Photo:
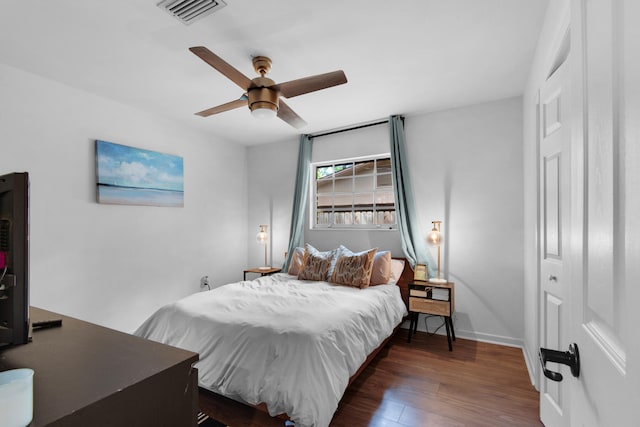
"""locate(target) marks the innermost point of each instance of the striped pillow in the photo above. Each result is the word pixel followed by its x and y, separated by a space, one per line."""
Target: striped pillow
pixel 354 269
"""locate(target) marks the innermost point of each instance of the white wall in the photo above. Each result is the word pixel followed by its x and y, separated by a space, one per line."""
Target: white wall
pixel 114 265
pixel 271 182
pixel 466 167
pixel 549 41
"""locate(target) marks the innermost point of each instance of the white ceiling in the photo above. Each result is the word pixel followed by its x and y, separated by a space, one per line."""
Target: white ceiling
pixel 402 57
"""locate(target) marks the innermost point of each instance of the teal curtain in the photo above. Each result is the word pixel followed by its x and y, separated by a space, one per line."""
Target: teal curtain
pixel 413 242
pixel 296 234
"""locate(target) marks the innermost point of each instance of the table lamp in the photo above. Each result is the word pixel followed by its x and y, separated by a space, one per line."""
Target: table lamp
pixel 262 237
pixel 435 239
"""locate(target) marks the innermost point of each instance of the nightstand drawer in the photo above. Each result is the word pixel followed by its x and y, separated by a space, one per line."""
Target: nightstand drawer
pixel 421 305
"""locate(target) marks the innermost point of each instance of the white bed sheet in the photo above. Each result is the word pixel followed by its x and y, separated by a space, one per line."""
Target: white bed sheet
pixel 289 343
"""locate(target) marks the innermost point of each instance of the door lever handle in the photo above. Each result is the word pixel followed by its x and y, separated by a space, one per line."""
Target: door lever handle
pixel 570 358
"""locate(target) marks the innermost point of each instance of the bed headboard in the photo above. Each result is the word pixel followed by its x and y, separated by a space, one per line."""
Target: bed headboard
pixel 403 282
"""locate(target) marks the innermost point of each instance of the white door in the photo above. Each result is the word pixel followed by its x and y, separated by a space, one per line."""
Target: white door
pixel 605 220
pixel 554 203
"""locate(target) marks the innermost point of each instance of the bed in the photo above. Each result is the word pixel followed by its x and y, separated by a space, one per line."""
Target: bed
pixel 279 341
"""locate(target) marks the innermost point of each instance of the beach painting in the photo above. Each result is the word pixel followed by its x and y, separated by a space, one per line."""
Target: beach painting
pixel 133 176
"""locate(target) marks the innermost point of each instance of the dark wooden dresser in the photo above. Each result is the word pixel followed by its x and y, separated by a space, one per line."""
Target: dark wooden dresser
pixel 88 375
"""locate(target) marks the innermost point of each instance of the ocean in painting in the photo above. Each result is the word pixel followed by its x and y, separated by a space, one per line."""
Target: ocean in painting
pixel 139 196
pixel 133 176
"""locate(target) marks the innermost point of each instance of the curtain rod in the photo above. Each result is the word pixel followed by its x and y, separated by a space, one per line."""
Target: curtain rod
pixel 366 125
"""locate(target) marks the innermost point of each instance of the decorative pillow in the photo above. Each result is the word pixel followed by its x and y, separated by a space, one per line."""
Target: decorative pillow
pixel 354 269
pixel 336 254
pixel 381 271
pixel 296 261
pixel 315 264
pixel 397 267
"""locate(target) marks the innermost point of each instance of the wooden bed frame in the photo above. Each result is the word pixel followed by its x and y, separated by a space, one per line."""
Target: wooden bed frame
pixel 403 283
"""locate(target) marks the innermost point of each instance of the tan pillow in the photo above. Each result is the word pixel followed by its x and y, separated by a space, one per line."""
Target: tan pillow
pixel 296 261
pixel 381 271
pixel 397 267
pixel 315 264
pixel 354 269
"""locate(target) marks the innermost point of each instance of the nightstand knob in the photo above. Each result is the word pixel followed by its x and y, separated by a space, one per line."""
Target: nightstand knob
pixel 553 278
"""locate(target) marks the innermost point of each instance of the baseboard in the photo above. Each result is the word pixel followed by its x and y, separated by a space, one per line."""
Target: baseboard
pixel 475 336
pixel 531 366
pixel 490 338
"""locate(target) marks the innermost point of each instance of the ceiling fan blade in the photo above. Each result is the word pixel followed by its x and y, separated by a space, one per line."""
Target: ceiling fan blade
pixel 288 115
pixel 242 102
pixel 222 66
pixel 311 84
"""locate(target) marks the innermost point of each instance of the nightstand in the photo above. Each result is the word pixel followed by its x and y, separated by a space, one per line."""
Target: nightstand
pixel 261 271
pixel 432 298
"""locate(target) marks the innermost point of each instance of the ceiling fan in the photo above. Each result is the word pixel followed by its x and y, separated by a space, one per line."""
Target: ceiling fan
pixel 262 95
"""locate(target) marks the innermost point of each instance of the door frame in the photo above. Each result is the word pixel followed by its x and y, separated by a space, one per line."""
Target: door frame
pixel 558 56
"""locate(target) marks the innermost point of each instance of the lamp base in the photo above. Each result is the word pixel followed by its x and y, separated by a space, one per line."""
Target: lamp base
pixel 266 267
pixel 437 280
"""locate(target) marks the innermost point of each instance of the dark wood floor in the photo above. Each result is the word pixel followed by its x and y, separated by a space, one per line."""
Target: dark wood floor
pixel 421 384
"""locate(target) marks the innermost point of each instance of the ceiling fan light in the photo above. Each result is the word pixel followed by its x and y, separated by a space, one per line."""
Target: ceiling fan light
pixel 263 110
pixel 263 102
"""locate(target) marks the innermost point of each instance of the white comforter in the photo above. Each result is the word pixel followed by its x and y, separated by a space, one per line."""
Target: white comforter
pixel 289 343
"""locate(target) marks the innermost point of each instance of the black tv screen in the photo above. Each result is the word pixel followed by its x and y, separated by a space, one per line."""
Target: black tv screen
pixel 14 259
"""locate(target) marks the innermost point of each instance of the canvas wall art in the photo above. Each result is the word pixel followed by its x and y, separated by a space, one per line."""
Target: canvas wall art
pixel 133 176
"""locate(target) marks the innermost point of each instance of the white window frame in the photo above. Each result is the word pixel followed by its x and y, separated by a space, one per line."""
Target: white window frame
pixel 313 205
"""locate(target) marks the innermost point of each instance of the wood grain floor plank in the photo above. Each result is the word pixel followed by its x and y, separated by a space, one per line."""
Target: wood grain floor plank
pixel 421 384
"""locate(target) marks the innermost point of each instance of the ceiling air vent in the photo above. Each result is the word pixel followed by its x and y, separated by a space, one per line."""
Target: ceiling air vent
pixel 189 11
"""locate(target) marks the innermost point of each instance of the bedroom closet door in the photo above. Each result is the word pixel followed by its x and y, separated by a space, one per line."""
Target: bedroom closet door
pixel 554 208
pixel 606 213
pixel 590 261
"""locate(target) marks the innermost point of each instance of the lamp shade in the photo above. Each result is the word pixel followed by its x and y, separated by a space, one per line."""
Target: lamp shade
pixel 435 238
pixel 262 236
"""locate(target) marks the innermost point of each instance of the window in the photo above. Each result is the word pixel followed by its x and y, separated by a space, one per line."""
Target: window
pixel 355 193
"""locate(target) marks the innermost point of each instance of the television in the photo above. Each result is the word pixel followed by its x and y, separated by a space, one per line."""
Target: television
pixel 14 259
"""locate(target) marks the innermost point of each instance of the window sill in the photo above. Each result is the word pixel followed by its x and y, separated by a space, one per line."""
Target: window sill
pixel 354 228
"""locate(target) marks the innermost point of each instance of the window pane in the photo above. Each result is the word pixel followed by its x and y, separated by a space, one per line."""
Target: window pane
pixel 323 171
pixel 383 165
pixel 365 168
pixel 365 217
pixel 345 169
pixel 344 218
pixel 341 200
pixel 324 200
pixel 354 194
pixel 363 200
pixel 343 185
pixel 385 217
pixel 384 198
pixel 324 186
pixel 323 217
pixel 384 180
pixel 364 183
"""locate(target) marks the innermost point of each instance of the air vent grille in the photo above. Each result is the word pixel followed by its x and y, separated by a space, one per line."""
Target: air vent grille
pixel 190 11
